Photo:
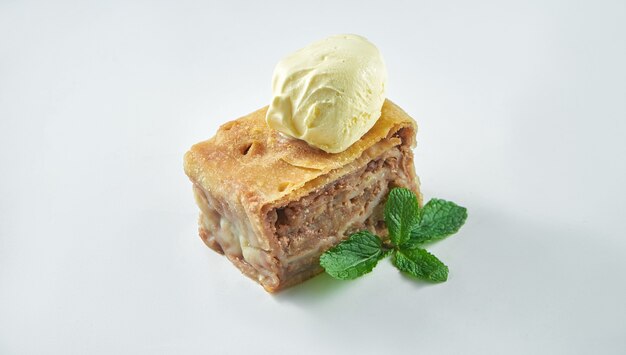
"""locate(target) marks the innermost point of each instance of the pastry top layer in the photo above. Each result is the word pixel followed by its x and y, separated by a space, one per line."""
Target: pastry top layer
pixel 248 160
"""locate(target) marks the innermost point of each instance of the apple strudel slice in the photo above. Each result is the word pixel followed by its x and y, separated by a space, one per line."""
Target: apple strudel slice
pixel 272 204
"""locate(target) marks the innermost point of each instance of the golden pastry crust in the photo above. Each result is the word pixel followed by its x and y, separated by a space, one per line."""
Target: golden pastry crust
pixel 248 158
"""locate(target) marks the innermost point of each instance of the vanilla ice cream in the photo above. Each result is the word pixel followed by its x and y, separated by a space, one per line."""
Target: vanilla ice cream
pixel 329 93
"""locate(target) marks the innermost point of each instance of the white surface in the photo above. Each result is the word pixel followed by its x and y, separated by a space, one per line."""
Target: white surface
pixel 521 106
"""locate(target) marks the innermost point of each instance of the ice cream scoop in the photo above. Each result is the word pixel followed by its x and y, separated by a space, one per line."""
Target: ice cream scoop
pixel 329 93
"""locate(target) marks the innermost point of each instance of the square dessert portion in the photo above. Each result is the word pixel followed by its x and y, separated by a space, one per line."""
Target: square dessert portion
pixel 274 204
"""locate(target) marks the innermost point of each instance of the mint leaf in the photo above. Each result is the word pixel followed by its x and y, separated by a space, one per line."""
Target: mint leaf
pixel 353 257
pixel 401 214
pixel 420 263
pixel 437 220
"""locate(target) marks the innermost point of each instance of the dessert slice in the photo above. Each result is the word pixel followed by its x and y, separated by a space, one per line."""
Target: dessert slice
pixel 274 204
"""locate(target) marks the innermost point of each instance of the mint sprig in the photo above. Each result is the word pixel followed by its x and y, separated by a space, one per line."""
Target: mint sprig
pixel 409 228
